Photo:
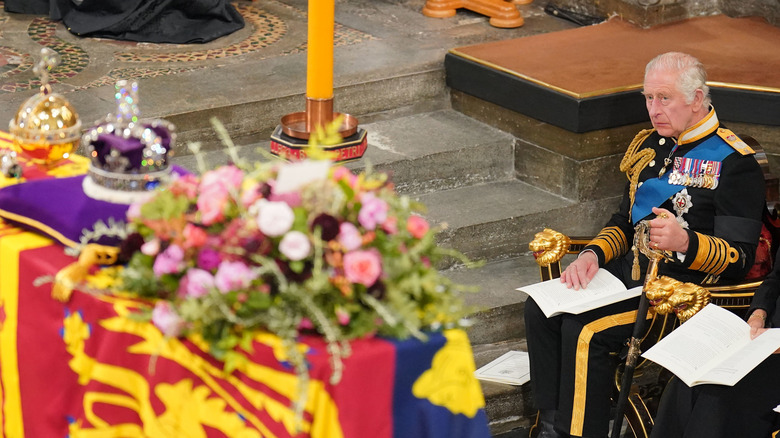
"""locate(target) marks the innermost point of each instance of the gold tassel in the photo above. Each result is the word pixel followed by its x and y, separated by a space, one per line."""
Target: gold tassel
pixel 70 276
pixel 635 266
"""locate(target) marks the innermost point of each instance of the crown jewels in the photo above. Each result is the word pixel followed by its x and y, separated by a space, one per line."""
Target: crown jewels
pixel 129 157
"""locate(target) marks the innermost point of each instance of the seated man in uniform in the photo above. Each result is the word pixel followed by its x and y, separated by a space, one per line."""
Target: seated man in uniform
pixel 745 410
pixel 702 191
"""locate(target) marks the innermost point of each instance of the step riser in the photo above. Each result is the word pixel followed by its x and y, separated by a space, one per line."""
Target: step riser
pixel 509 238
pixel 255 121
pixel 450 170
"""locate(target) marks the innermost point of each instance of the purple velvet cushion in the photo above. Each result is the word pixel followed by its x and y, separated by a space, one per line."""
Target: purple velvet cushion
pixel 56 207
pixel 59 208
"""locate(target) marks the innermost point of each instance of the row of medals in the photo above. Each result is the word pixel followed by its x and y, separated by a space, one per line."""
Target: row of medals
pixel 701 180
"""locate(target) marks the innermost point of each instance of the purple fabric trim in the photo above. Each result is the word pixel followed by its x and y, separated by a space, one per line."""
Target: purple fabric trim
pixel 61 205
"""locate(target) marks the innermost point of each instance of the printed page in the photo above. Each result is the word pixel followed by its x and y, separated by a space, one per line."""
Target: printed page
pixel 512 368
pixel 714 340
pixel 554 298
pixel 733 369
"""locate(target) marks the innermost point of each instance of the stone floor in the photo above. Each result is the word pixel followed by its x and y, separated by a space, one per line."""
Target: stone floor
pixel 264 62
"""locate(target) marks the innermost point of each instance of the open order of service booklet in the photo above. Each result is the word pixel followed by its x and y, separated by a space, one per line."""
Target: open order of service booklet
pixel 714 347
pixel 554 298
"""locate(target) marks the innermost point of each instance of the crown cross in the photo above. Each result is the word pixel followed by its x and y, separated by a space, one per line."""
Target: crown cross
pixel 126 94
pixel 49 60
pixel 115 162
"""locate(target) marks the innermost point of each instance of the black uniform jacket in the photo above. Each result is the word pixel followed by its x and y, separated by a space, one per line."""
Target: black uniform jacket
pixel 721 211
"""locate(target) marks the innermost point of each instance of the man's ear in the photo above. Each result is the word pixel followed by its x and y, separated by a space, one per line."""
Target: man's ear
pixel 698 100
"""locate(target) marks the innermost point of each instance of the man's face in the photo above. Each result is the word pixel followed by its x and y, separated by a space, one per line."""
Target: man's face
pixel 666 105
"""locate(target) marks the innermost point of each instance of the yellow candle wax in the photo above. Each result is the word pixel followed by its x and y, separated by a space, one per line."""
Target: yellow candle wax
pixel 319 60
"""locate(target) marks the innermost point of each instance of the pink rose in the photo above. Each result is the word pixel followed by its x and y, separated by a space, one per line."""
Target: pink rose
pixel 349 236
pixel 134 211
pixel 417 226
pixel 373 211
pixel 215 190
pixel 194 236
pixel 196 283
pixel 295 245
pixel 233 276
pixel 211 205
pixel 391 225
pixel 342 172
pixel 363 267
pixel 226 178
pixel 342 316
pixel 170 261
pixel 186 185
pixel 250 193
pixel 274 218
pixel 166 319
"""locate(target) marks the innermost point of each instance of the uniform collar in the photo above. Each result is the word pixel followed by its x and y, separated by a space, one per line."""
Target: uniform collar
pixel 703 128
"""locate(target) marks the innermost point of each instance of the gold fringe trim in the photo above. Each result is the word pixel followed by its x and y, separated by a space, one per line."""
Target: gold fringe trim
pixel 634 161
pixel 70 276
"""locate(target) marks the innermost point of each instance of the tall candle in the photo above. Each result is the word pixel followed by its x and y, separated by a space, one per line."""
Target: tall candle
pixel 319 60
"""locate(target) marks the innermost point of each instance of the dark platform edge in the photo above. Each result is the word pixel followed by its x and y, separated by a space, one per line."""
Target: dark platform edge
pixel 593 113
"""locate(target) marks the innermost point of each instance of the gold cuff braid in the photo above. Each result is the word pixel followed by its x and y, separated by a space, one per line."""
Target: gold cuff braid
pixel 612 242
pixel 714 255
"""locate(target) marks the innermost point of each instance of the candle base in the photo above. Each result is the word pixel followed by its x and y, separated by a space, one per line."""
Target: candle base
pixel 291 148
pixel 319 112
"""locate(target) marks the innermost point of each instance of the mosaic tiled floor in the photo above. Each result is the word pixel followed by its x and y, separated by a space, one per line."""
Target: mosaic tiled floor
pixel 267 29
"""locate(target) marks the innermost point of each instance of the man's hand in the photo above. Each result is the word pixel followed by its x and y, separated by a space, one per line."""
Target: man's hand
pixel 757 321
pixel 581 271
pixel 666 233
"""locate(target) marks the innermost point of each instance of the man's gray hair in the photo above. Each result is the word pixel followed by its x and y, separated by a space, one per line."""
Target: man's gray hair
pixel 692 75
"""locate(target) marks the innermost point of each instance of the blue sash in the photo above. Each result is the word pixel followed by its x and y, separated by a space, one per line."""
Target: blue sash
pixel 654 191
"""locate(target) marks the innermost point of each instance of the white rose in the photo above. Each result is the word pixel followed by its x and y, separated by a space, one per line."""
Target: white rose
pixel 295 245
pixel 274 218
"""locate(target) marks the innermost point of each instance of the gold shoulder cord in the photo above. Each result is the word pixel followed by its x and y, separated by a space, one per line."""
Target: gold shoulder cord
pixel 634 161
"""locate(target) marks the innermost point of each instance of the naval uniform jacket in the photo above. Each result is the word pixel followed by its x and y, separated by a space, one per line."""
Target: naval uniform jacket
pixel 723 223
pixel 572 356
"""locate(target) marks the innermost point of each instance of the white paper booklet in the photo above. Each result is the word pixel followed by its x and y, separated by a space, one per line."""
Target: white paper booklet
pixel 512 368
pixel 554 298
pixel 714 346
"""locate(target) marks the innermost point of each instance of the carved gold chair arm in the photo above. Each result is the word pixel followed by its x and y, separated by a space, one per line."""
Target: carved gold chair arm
pixel 549 247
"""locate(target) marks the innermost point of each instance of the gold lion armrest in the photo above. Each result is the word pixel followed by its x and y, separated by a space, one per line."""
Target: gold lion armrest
pixel 549 247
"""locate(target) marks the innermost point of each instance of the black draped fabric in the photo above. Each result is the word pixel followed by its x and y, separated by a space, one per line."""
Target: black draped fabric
pixel 38 7
pixel 155 21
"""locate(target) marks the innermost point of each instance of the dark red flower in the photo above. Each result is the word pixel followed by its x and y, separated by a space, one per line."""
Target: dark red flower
pixel 328 225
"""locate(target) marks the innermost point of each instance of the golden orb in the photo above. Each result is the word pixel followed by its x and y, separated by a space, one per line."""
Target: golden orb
pixel 46 129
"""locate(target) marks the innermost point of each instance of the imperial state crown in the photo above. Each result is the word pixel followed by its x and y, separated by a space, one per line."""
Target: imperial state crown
pixel 129 157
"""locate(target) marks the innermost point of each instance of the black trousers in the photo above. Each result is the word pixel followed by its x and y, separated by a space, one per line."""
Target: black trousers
pixel 573 360
pixel 744 410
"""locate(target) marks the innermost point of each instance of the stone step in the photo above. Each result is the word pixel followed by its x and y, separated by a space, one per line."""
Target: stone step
pixel 496 220
pixel 422 152
pixel 498 328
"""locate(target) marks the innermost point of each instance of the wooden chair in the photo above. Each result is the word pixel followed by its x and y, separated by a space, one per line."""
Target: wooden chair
pixel 650 379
